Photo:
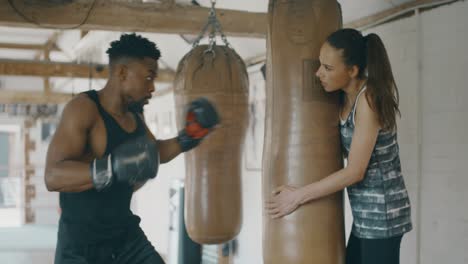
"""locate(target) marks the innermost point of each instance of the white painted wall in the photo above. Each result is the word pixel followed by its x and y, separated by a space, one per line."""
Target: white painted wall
pixel 444 225
pixel 400 39
pixel 434 111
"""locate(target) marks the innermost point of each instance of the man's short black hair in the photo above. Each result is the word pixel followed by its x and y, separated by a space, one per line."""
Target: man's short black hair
pixel 132 46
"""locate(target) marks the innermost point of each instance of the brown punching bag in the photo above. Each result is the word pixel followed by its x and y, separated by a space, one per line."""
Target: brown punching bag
pixel 302 142
pixel 213 211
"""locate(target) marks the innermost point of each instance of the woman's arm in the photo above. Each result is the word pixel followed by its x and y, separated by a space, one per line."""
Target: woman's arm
pixel 286 200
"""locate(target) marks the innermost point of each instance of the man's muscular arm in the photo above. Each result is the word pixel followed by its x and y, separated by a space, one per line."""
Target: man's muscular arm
pixel 168 149
pixel 201 119
pixel 63 172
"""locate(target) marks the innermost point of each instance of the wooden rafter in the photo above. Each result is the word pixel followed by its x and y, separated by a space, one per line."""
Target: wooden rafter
pixel 60 69
pixel 39 97
pixel 53 69
pixel 24 46
pixel 51 42
pixel 83 33
pixel 379 16
pixel 48 46
pixel 132 16
pixel 31 97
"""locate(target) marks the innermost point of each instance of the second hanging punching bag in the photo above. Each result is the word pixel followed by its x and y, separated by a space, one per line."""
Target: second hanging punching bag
pixel 213 205
pixel 302 143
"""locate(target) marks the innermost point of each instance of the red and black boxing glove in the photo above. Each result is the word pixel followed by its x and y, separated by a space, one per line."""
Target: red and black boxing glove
pixel 201 118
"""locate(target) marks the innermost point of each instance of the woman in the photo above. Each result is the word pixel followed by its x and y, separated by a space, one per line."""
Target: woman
pixel 359 68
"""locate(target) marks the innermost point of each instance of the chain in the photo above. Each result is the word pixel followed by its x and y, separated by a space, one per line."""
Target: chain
pixel 200 36
pixel 215 27
pixel 223 36
pixel 212 22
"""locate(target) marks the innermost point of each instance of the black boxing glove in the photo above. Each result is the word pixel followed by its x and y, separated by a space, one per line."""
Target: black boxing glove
pixel 201 118
pixel 135 160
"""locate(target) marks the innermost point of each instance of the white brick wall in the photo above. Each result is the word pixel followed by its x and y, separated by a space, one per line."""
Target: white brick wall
pixel 442 129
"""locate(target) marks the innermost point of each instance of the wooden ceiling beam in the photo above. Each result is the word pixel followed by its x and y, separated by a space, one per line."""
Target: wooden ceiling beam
pixel 25 46
pixel 39 97
pixel 32 97
pixel 52 69
pixel 132 16
pixel 51 42
pixel 47 48
pixel 374 19
pixel 60 69
pixel 83 33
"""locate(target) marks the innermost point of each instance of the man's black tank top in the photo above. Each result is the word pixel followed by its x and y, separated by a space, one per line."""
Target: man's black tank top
pixel 92 216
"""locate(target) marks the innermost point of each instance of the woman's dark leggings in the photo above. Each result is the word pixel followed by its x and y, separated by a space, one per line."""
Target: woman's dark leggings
pixel 373 251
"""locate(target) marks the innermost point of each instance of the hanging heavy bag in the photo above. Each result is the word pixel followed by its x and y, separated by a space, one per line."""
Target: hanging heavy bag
pixel 213 205
pixel 302 143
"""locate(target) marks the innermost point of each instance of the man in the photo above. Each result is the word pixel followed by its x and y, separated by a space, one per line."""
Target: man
pixel 102 152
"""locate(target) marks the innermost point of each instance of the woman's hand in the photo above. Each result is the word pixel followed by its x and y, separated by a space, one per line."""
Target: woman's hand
pixel 286 199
